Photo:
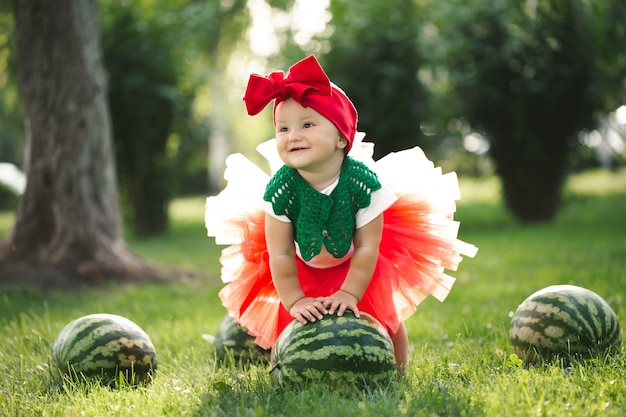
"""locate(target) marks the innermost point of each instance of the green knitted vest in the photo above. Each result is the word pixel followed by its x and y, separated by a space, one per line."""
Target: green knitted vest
pixel 321 219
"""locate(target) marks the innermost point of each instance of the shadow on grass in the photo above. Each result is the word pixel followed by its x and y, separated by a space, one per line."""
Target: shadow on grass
pixel 249 390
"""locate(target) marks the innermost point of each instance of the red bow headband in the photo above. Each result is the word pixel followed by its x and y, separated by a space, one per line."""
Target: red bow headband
pixel 308 84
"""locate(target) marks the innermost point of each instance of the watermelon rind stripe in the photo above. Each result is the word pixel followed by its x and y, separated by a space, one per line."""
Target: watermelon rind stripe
pixel 569 311
pixel 565 319
pixel 103 344
pixel 233 343
pixel 585 321
pixel 337 350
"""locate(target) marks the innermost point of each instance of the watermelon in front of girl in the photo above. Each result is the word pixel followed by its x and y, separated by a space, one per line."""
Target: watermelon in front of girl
pixel 342 351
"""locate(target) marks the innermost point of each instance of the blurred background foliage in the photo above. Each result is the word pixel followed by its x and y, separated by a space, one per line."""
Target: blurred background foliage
pixel 522 89
pixel 530 75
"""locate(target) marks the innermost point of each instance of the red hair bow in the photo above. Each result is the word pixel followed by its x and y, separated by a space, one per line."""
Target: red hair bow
pixel 306 76
pixel 308 84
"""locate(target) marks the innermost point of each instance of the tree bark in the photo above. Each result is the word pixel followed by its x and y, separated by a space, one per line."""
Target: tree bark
pixel 68 224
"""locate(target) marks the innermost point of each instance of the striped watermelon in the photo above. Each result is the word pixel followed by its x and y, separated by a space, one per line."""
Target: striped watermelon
pixel 341 351
pixel 104 346
pixel 233 341
pixel 564 320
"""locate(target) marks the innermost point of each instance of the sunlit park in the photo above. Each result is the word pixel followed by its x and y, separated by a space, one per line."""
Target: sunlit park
pixel 116 121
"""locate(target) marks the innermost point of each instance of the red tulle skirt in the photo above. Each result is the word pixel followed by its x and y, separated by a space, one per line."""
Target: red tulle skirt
pixel 419 242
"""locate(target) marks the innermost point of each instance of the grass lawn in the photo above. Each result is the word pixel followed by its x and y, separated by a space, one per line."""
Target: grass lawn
pixel 461 363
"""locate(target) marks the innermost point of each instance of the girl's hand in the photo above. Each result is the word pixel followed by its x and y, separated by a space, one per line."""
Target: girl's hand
pixel 340 302
pixel 308 310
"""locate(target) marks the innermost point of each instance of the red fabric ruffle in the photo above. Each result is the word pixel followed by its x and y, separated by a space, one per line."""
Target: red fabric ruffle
pixel 417 245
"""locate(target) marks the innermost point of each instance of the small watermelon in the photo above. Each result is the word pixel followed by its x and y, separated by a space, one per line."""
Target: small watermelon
pixel 564 320
pixel 233 341
pixel 104 346
pixel 341 351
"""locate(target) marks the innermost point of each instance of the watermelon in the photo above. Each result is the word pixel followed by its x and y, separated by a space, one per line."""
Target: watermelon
pixel 104 346
pixel 564 320
pixel 341 351
pixel 232 341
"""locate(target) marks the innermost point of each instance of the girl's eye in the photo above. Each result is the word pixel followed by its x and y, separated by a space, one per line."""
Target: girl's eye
pixel 282 129
pixel 308 124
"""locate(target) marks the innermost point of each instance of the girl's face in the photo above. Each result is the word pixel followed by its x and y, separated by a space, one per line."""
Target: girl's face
pixel 306 140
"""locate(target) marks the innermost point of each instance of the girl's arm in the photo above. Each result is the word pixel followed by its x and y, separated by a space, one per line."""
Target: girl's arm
pixel 362 265
pixel 282 252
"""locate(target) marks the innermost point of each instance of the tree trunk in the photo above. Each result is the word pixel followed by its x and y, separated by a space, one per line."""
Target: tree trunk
pixel 67 229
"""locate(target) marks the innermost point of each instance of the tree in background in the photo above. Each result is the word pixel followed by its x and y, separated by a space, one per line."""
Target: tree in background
pixel 530 75
pixel 506 68
pixel 374 57
pixel 67 227
pixel 143 78
pixel 154 52
pixel 160 55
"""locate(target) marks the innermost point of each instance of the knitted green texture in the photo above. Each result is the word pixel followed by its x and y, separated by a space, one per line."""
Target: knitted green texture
pixel 321 219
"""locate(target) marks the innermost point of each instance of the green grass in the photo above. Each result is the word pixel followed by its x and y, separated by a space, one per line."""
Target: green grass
pixel 461 362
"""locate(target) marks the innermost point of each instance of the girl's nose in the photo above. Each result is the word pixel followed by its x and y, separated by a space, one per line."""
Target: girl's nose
pixel 295 134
